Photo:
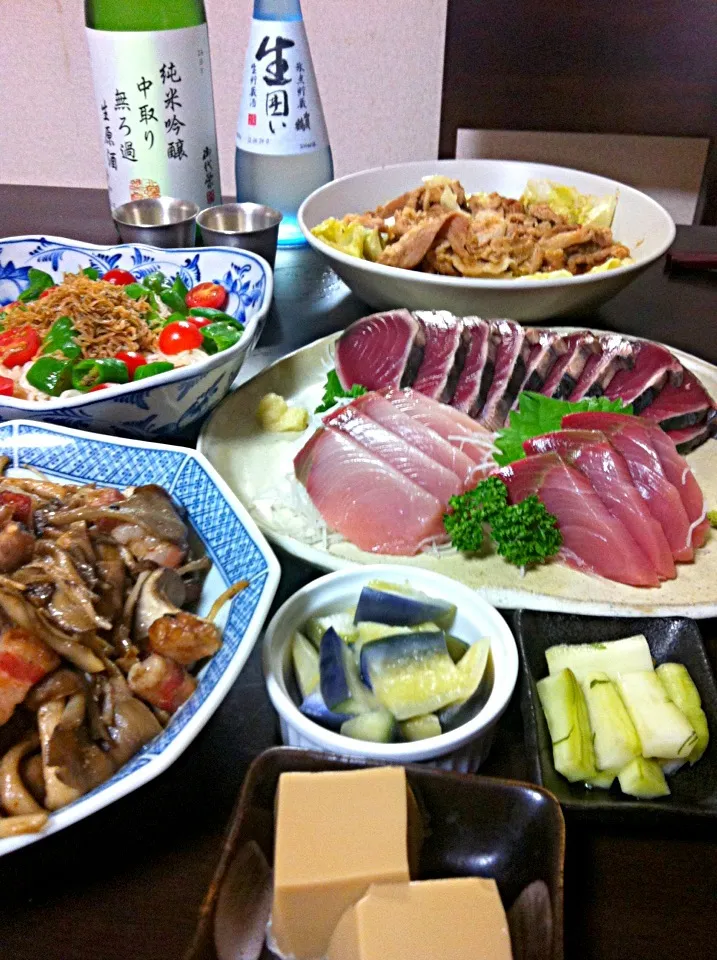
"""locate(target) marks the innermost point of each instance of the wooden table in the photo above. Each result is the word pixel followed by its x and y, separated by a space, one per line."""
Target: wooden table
pixel 128 881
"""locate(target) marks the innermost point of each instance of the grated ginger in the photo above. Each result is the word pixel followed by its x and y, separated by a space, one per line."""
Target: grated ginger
pixel 276 416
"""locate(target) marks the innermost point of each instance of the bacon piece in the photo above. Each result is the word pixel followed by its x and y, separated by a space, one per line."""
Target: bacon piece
pixel 24 659
pixel 161 682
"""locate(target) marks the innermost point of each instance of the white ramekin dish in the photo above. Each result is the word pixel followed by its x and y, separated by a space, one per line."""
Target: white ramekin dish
pixel 462 749
pixel 640 223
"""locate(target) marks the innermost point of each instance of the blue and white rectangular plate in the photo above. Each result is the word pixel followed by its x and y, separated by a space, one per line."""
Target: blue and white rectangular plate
pixel 232 540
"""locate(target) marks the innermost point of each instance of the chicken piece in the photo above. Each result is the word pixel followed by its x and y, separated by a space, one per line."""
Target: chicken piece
pixel 17 545
pixel 161 682
pixel 415 243
pixel 184 637
pixel 24 659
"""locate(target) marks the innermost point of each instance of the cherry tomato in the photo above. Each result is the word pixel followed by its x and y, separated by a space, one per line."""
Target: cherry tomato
pixel 207 295
pixel 199 322
pixel 46 293
pixel 7 387
pixel 120 278
pixel 18 345
pixel 132 359
pixel 179 336
pixel 10 306
pixel 99 386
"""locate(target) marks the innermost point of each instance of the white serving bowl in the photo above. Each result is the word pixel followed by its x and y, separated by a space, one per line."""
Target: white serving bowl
pixel 462 749
pixel 640 223
pixel 168 404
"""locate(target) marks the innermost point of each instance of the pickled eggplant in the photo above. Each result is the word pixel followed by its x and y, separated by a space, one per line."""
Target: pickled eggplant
pixel 567 716
pixel 343 624
pixel 315 709
pixel 643 778
pixel 615 739
pixel 421 728
pixel 456 648
pixel 475 670
pixel 305 659
pixel 613 658
pixel 680 688
pixel 400 606
pixel 341 686
pixel 664 731
pixel 378 726
pixel 411 673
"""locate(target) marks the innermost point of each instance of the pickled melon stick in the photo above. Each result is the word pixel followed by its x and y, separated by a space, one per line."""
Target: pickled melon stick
pixel 615 739
pixel 680 688
pixel 664 731
pixel 567 716
pixel 644 779
pixel 613 657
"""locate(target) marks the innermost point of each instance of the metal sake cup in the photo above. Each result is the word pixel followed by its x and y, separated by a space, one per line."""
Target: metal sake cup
pixel 163 222
pixel 248 226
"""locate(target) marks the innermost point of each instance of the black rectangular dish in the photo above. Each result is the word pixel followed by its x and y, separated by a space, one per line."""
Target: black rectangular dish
pixel 671 639
pixel 475 826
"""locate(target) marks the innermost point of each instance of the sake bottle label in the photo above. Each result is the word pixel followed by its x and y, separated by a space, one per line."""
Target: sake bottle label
pixel 154 96
pixel 280 110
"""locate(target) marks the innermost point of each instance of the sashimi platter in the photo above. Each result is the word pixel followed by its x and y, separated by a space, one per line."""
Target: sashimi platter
pixel 548 468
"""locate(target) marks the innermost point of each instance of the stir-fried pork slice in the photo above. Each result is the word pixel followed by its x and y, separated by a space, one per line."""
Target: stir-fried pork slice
pixel 408 251
pixel 161 682
pixel 24 659
pixel 184 637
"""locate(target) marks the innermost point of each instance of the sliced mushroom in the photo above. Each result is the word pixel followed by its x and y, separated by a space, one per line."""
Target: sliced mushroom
pixel 162 593
pixel 16 798
pixel 76 761
pixel 58 685
pixel 57 794
pixel 134 725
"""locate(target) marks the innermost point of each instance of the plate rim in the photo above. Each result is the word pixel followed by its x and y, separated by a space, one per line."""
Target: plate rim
pixel 158 763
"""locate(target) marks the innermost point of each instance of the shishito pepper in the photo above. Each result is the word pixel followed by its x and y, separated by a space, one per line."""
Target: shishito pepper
pixel 50 375
pixel 220 336
pixel 210 313
pixel 152 369
pixel 174 301
pixel 61 337
pixel 88 373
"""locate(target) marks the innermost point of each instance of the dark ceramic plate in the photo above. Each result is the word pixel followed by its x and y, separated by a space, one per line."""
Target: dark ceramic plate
pixel 476 826
pixel 673 639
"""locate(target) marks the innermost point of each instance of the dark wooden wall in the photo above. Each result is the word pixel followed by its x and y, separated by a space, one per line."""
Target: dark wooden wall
pixel 604 66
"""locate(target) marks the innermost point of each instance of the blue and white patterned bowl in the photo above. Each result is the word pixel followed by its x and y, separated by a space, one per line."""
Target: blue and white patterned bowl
pixel 232 540
pixel 171 402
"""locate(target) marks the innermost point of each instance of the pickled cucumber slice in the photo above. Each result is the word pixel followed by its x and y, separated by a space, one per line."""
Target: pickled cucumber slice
pixel 305 659
pixel 615 739
pixel 644 779
pixel 421 728
pixel 664 731
pixel 613 658
pixel 680 688
pixel 603 781
pixel 567 716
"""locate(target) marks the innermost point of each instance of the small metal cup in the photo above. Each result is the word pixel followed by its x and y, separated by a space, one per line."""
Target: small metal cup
pixel 165 222
pixel 248 226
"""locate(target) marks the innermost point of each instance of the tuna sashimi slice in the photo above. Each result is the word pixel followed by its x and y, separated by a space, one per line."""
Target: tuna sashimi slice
pixel 379 351
pixel 681 477
pixel 594 456
pixel 477 373
pixel 680 406
pixel 364 499
pixel 396 452
pixel 654 366
pixel 616 353
pixel 511 357
pixel 632 439
pixel 593 539
pixel 419 436
pixel 443 354
pixel 567 369
pixel 546 347
pixel 455 427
